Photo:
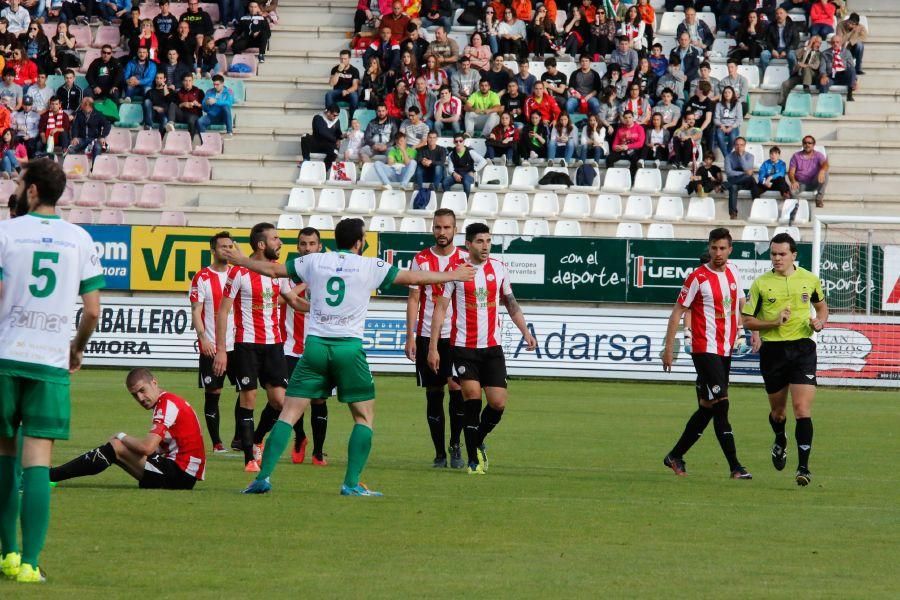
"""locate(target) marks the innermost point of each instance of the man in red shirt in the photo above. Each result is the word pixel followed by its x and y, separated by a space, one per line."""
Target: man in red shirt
pixel 627 143
pixel 396 21
pixel 543 103
pixel 170 456
pixel 188 106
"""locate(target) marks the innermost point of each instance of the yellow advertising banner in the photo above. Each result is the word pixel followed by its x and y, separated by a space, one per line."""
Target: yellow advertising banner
pixel 165 259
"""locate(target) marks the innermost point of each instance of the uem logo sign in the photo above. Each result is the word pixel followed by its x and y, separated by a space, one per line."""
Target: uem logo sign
pixel 661 272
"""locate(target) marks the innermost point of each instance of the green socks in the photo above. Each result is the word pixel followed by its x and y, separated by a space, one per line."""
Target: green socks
pixel 276 442
pixel 9 505
pixel 357 453
pixel 35 512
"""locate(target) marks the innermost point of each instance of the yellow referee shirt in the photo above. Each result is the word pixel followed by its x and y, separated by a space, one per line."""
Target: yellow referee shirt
pixel 771 293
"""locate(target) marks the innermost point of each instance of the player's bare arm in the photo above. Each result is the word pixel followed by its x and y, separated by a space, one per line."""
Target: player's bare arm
pixel 89 317
pixel 207 347
pixel 144 446
pixel 263 267
pixel 818 322
pixel 294 298
pixel 221 360
pixel 412 310
pixel 460 273
pixel 668 357
pixel 518 318
pixel 437 320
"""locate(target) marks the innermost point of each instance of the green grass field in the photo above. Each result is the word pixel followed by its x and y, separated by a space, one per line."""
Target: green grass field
pixel 576 504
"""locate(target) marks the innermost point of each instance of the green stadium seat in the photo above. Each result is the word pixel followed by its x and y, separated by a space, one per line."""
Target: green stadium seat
pixel 130 115
pixel 344 119
pixel 764 110
pixel 578 118
pixel 203 84
pixel 237 88
pixel 55 81
pixel 798 105
pixel 364 116
pixel 829 106
pixel 759 130
pixel 81 81
pixel 789 131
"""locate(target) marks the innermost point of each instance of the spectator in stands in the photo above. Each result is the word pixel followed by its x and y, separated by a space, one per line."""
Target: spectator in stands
pixel 656 142
pixel 25 122
pixel 465 79
pixel 164 24
pixel 625 57
pixel 130 29
pixel 555 82
pixel 562 139
pixel 434 76
pixel 207 58
pixel 738 83
pixel 217 105
pixel 633 29
pixel 731 15
pixel 750 38
pixel 645 77
pixel 408 70
pixel 89 131
pixel 366 13
pixel 613 79
pixel 689 56
pixel 821 18
pixel 543 104
pixel 503 140
pixel 7 38
pixel 325 137
pixel 36 46
pixel 577 31
pixel 344 82
pixel 374 84
pixel 184 42
pixel 782 38
pixel 837 67
pixel 113 9
pixel 674 80
pixel 608 114
pixel 104 75
pixel 146 39
pixel 772 176
pixel 386 51
pixel 431 159
pixel 231 11
pixel 534 137
pixel 706 75
pixel 658 62
pixel 628 143
pixel 488 26
pixel 139 75
pixel 156 103
pixel 415 130
pixel 637 105
pixel 54 124
pixel 739 165
pixel 401 164
pixel 727 119
pixel 378 135
pixel 62 49
pixel 396 100
pixel 685 141
pixel 173 69
pixel 199 22
pixel 806 71
pixel 415 44
pixel 707 179
pixel 13 154
pixel 512 35
pixel 513 102
pixel 447 113
pixel 854 35
pixel 438 13
pixel 584 86
pixel 523 79
pixel 700 34
pixel 464 164
pixel 187 106
pixel 542 32
pixel 17 17
pixel 808 171
pixel 668 111
pixel 703 107
pixel 396 21
pixel 444 49
pixel 593 144
pixel 54 11
pixel 424 99
pixel 498 76
pixel 522 9
pixel 11 92
pixel 40 94
pixel 602 38
pixel 483 110
pixel 252 31
pixel 26 70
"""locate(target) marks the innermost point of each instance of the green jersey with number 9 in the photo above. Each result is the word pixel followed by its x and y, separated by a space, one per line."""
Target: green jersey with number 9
pixel 45 263
pixel 340 285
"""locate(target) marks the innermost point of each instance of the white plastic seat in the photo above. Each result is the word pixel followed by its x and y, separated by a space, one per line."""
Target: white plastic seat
pixel 172 218
pixel 661 231
pixel 677 181
pixel 576 206
pixel 382 223
pixel 494 173
pixel 153 195
pixel 545 205
pixel 361 202
pixel 455 201
pixel 751 72
pixel 794 232
pixel 392 202
pixel 755 233
pixel 331 201
pixel 413 225
pixel 536 227
pixel 505 227
pixel 368 177
pixel 590 189
pixel 349 173
pixel 554 186
pixel 668 42
pixel 775 75
pixel 289 221
pixel 81 216
pixel 478 145
pixel 759 154
pixel 515 205
pixel 802 215
pixel 608 207
pixel 524 179
pixel 764 210
pixel 122 195
pixel 617 180
pixel 177 143
pixel 470 221
pixel 669 208
pixel 484 204
pixel 321 222
pixel 567 227
pixel 312 172
pixel 111 216
pixel 638 208
pixel 629 230
pixel 721 47
pixel 301 200
pixel 647 181
pixel 701 210
pixel 718 71
pixel 669 22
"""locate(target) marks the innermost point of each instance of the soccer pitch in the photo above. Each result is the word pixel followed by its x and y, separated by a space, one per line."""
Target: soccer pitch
pixel 577 503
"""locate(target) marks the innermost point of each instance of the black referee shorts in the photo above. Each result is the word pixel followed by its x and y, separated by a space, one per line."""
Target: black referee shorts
pixel 484 365
pixel 786 363
pixel 424 375
pixel 712 375
pixel 161 473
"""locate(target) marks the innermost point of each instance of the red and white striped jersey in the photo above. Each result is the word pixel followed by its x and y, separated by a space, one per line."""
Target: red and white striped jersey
pixel 292 324
pixel 255 306
pixel 427 260
pixel 176 423
pixel 476 320
pixel 206 288
pixel 713 298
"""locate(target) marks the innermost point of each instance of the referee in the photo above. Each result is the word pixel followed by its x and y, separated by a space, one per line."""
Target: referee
pixel 779 308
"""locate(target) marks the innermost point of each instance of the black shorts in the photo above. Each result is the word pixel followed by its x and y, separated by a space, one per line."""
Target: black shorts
pixel 206 379
pixel 255 364
pixel 712 375
pixel 161 473
pixel 484 365
pixel 424 375
pixel 290 362
pixel 785 363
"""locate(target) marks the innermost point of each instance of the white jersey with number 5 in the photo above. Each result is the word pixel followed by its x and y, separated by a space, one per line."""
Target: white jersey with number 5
pixel 45 264
pixel 340 286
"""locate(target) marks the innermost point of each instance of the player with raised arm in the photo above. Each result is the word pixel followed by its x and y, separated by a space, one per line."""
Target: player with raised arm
pixel 780 307
pixel 45 264
pixel 340 286
pixel 170 456
pixel 475 340
pixel 712 295
pixel 443 256
pixel 206 293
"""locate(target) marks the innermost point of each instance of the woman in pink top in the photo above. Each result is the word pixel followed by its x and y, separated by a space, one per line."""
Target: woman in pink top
pixel 478 52
pixel 821 19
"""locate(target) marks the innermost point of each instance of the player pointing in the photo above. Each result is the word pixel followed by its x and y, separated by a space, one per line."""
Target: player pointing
pixel 340 286
pixel 779 308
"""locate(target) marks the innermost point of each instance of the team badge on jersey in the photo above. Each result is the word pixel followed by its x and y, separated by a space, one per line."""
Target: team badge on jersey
pixel 804 297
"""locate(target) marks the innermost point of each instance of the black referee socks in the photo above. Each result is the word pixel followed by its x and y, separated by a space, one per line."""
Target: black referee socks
pixel 91 462
pixel 778 428
pixel 804 434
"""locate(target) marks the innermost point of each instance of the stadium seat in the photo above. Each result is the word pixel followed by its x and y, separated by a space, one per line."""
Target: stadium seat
pixel 775 75
pixel 629 230
pixel 118 141
pixel 289 221
pixel 484 204
pixel 7 188
pixel 382 223
pixel 721 47
pixel 391 202
pixel 524 179
pixel 661 231
pixel 536 227
pixel 669 22
pixel 593 188
pixel 148 142
pixel 759 130
pixel 468 222
pixel 669 208
pixel 361 202
pixel 84 38
pixel 638 208
pixel 477 144
pixel 794 232
pixel 545 205
pixel 608 207
pixel 701 210
pixel 331 201
pixel 343 173
pixel 68 195
pixel 505 227
pixel 92 194
pixel 321 222
pixel 413 225
pixel 244 59
pixel 423 212
pixel 238 90
pixel 165 169
pixel 364 116
pixel 718 71
pixel 368 177
pixel 758 152
pixel 312 172
pixel 576 206
pixel 677 181
pixel 81 216
pixel 764 210
pixel 196 170
pixel 790 131
pixel 301 199
pixel 130 115
pixel 111 216
pixel 455 201
pixel 567 228
pixel 494 177
pixel 617 180
pixel 153 195
pixel 172 218
pixel 106 34
pixel 798 105
pixel 668 42
pixel 515 204
pixel 344 117
pixel 647 181
pixel 90 55
pixel 802 215
pixel 710 20
pixel 554 186
pixel 121 196
pixel 536 68
pixel 763 110
pixel 177 143
pixel 76 166
pixel 212 145
pixel 751 72
pixel 755 233
pixel 829 106
pixel 106 166
pixel 136 168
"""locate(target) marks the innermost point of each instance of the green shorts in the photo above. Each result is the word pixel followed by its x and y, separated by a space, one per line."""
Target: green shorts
pixel 42 408
pixel 332 362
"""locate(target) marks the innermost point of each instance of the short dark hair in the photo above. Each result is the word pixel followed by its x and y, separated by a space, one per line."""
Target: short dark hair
pixel 218 77
pixel 48 177
pixel 705 65
pixel 444 212
pixel 413 109
pixel 138 375
pixel 8 72
pixel 550 62
pixel 222 235
pixel 720 233
pixel 675 60
pixel 66 72
pixel 627 112
pixel 309 231
pixel 474 229
pixel 732 61
pixel 774 149
pixel 669 91
pixel 349 231
pixel 784 238
pixel 258 234
pixel 344 52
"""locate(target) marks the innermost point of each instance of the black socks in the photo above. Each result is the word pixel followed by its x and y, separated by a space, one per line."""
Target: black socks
pixel 457 416
pixel 211 412
pixel 299 434
pixel 91 462
pixel 245 431
pixel 724 433
pixel 692 431
pixel 434 411
pixel 778 428
pixel 471 412
pixel 490 417
pixel 804 434
pixel 266 422
pixel 319 422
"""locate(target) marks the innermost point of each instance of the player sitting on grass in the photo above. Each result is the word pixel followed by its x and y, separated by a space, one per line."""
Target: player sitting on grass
pixel 170 456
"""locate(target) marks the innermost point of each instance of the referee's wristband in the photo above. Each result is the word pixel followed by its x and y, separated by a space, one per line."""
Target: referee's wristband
pixel 120 436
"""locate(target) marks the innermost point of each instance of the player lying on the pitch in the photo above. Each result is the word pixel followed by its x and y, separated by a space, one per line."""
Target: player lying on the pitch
pixel 170 456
